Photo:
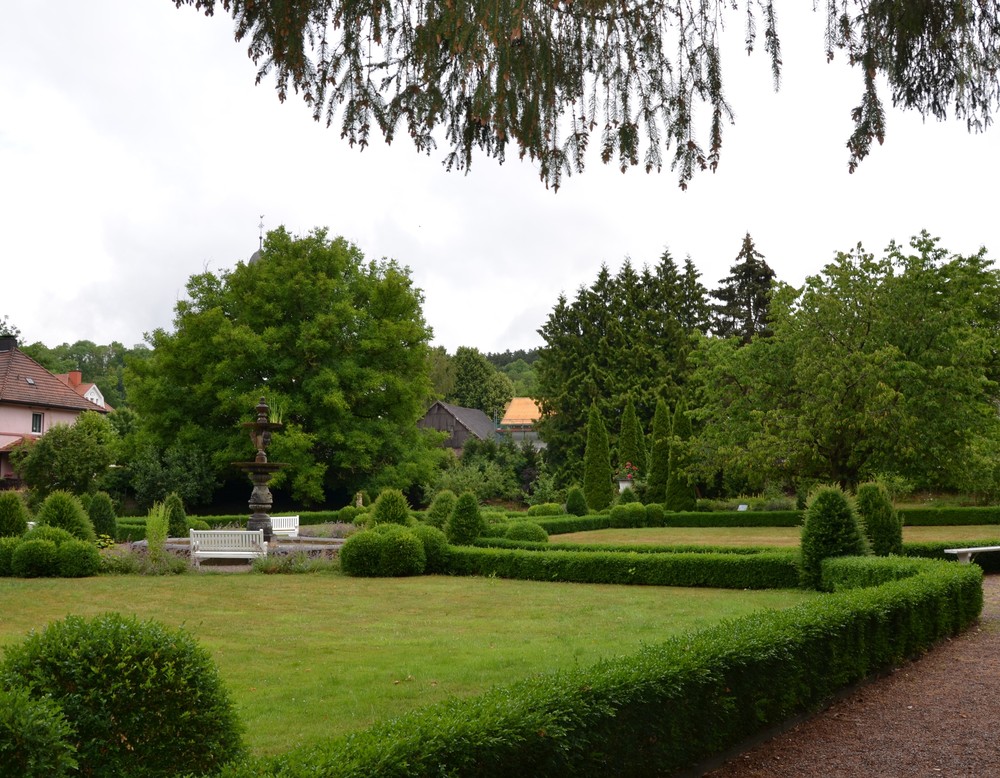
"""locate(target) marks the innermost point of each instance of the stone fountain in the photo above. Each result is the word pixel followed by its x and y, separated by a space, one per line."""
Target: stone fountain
pixel 260 469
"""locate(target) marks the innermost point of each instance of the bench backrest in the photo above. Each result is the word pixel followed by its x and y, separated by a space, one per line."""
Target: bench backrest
pixel 284 522
pixel 227 539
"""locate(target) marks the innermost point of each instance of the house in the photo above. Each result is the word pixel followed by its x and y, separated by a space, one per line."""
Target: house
pixel 460 423
pixel 520 419
pixel 33 400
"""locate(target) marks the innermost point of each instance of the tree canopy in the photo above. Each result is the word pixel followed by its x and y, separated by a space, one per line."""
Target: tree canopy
pixel 552 78
pixel 744 296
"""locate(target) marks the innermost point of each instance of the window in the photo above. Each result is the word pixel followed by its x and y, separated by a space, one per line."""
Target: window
pixel 36 422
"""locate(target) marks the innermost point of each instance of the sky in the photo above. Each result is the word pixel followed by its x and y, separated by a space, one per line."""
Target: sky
pixel 136 151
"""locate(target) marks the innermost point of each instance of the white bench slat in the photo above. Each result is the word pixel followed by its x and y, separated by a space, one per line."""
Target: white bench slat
pixel 965 554
pixel 285 525
pixel 226 544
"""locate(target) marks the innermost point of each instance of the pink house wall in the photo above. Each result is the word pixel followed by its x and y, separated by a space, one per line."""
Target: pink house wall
pixel 15 422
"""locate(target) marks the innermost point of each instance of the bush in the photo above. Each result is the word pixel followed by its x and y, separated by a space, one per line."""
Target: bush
pixel 391 507
pixel 13 515
pixel 157 527
pixel 655 515
pixel 7 546
pixel 631 514
pixel 102 515
pixel 347 513
pixel 440 508
pixel 402 552
pixel 831 529
pixel 360 554
pixel 144 699
pixel 199 524
pixel 627 495
pixel 597 484
pixel 44 532
pixel 173 507
pixel 35 738
pixel 465 523
pixel 435 548
pixel 546 509
pixel 34 559
pixel 62 509
pixel 526 530
pixel 576 502
pixel 78 559
pixel 879 520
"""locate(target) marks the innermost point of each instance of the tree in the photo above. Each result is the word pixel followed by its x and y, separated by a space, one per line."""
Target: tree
pixel 830 528
pixel 597 486
pixel 695 313
pixel 881 523
pixel 631 440
pixel 478 384
pixel 8 330
pixel 659 455
pixel 173 508
pixel 680 492
pixel 745 296
pixel 337 344
pixel 542 76
pixel 441 370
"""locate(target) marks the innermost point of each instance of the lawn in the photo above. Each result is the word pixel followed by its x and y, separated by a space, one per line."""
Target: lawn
pixel 309 656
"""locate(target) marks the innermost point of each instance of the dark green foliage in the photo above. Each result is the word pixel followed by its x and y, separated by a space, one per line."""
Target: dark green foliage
pixel 655 515
pixel 402 552
pixel 466 522
pixel 988 561
pixel 627 495
pixel 7 546
pixel 879 519
pixel 44 532
pixel 949 517
pixel 13 515
pixel 391 507
pixel 34 559
pixel 440 508
pixel 77 559
pixel 659 455
pixel 478 384
pixel 102 515
pixel 435 548
pixel 744 297
pixel 830 529
pixel 526 530
pixel 576 502
pixel 173 507
pixel 360 554
pixel 197 524
pixel 546 509
pixel 597 486
pixel 346 514
pixel 631 441
pixel 144 699
pixel 561 525
pixel 36 741
pixel 680 492
pixel 630 514
pixel 63 510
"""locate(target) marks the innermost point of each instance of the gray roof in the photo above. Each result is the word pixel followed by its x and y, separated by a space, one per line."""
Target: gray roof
pixel 473 419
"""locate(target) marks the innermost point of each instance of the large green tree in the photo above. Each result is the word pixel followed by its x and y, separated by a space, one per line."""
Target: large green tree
pixel 597 486
pixel 659 455
pixel 545 76
pixel 337 345
pixel 744 296
pixel 631 441
pixel 478 384
pixel 680 492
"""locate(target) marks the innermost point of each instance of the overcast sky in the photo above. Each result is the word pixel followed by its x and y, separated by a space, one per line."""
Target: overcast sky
pixel 135 150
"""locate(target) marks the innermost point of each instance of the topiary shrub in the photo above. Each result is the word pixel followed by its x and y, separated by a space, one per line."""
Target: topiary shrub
pixel 402 552
pixel 44 532
pixel 7 546
pixel 13 515
pixel 144 699
pixel 440 508
pixel 627 495
pixel 655 515
pixel 576 502
pixel 199 524
pixel 347 513
pixel 77 559
pixel 526 530
pixel 879 520
pixel 360 554
pixel 62 509
pixel 391 507
pixel 597 484
pixel 102 515
pixel 34 559
pixel 36 741
pixel 631 514
pixel 435 548
pixel 466 522
pixel 173 507
pixel 831 528
pixel 546 509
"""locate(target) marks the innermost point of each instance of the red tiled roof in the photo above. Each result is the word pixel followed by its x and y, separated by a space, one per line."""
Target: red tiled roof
pixel 25 382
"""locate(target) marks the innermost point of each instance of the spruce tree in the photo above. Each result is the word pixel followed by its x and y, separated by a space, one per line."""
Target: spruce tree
pixel 659 456
pixel 744 297
pixel 597 486
pixel 879 520
pixel 631 447
pixel 680 494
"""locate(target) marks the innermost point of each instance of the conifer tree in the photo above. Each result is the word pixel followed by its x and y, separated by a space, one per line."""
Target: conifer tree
pixel 659 458
pixel 830 528
pixel 631 447
pixel 680 495
pixel 694 311
pixel 744 296
pixel 597 486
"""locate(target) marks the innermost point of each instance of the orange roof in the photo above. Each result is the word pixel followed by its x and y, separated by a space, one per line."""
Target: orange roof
pixel 25 382
pixel 521 411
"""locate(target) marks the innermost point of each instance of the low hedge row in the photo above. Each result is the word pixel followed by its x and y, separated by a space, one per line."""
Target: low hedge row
pixel 648 516
pixel 503 542
pixel 667 707
pixel 774 570
pixel 949 517
pixel 562 525
pixel 988 561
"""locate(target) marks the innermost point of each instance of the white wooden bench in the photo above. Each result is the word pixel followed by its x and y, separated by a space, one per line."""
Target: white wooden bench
pixel 285 525
pixel 226 544
pixel 965 554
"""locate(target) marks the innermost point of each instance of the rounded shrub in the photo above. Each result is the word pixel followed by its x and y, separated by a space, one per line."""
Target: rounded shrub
pixel 360 554
pixel 830 529
pixel 102 515
pixel 62 509
pixel 440 508
pixel 36 741
pixel 402 552
pixel 199 524
pixel 13 515
pixel 44 532
pixel 391 507
pixel 7 546
pixel 627 495
pixel 466 522
pixel 526 530
pixel 546 509
pixel 34 559
pixel 655 515
pixel 576 502
pixel 435 548
pixel 144 699
pixel 173 507
pixel 631 514
pixel 77 559
pixel 879 520
pixel 347 513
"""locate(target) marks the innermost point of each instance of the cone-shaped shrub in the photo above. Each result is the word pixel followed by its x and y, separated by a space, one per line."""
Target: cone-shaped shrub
pixel 879 520
pixel 391 507
pixel 627 495
pixel 13 515
pixel 631 446
pixel 831 528
pixel 441 507
pixel 177 526
pixel 597 486
pixel 62 509
pixel 659 455
pixel 576 502
pixel 102 515
pixel 680 494
pixel 466 522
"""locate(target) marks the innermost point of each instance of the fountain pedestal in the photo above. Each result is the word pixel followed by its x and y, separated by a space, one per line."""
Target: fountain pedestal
pixel 261 470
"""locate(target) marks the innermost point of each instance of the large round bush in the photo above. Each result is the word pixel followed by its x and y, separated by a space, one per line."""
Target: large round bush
pixel 34 559
pixel 62 509
pixel 144 699
pixel 77 559
pixel 13 515
pixel 44 532
pixel 466 522
pixel 391 507
pixel 36 741
pixel 830 529
pixel 576 502
pixel 526 530
pixel 102 515
pixel 435 548
pixel 401 554
pixel 359 556
pixel 440 508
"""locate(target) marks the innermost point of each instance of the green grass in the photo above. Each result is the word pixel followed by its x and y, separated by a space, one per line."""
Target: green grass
pixel 309 656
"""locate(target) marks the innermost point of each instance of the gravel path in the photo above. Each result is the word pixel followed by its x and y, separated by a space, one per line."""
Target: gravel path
pixel 936 716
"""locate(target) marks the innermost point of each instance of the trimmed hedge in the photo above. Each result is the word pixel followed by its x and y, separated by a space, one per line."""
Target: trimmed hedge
pixel 667 707
pixel 988 561
pixel 949 517
pixel 681 548
pixel 562 525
